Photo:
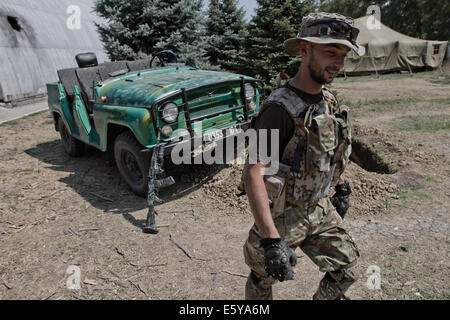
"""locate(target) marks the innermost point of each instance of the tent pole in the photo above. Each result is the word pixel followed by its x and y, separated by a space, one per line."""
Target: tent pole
pixel 376 71
pixel 409 67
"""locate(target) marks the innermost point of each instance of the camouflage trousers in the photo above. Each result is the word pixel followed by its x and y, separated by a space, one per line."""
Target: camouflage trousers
pixel 315 229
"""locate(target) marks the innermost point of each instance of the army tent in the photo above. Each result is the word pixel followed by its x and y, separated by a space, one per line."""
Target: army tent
pixel 388 50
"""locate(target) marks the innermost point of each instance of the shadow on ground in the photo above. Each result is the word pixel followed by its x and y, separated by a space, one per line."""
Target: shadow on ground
pixel 96 179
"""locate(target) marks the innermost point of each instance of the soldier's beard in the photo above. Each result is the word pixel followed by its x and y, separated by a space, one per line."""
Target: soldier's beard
pixel 317 72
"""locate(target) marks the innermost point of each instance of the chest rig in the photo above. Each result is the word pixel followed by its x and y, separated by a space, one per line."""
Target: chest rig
pixel 318 151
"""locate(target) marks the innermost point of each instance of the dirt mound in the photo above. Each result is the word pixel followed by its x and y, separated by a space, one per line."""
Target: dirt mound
pixel 371 191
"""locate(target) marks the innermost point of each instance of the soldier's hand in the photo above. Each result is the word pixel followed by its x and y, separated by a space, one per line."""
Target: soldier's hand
pixel 279 259
pixel 341 199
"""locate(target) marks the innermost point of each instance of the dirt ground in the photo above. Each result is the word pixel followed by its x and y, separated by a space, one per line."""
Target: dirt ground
pixel 57 211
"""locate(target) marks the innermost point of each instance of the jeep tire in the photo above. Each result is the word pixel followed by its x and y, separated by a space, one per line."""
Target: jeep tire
pixel 73 147
pixel 133 164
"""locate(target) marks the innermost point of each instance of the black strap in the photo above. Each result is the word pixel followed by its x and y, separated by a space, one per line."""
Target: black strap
pixel 298 155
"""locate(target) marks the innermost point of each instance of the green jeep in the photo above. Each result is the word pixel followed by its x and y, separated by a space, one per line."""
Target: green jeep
pixel 131 107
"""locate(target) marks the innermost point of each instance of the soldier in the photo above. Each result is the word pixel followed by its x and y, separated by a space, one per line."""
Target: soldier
pixel 292 209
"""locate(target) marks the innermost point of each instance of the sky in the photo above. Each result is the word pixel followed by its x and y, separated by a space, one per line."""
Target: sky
pixel 248 5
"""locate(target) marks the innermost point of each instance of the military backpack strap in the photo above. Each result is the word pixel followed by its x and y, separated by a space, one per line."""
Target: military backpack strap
pixel 331 99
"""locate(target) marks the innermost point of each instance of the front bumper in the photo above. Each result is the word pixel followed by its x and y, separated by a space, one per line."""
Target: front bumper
pixel 226 133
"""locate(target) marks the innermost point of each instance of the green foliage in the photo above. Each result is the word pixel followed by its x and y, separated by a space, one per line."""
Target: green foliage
pixel 226 31
pixel 137 28
pixel 349 8
pixel 274 22
pixel 436 20
pixel 426 19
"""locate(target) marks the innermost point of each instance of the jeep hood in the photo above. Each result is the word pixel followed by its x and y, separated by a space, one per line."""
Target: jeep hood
pixel 142 89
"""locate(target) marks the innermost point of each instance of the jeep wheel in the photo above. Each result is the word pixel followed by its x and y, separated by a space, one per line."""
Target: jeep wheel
pixel 133 164
pixel 73 147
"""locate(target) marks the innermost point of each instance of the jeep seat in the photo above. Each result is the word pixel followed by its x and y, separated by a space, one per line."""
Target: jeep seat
pixel 68 79
pixel 109 68
pixel 138 65
pixel 89 78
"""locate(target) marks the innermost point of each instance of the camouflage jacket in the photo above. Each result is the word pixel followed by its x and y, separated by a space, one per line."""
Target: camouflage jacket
pixel 318 151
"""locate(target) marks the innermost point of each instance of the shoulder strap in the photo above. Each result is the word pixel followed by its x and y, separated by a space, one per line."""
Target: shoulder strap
pixel 331 99
pixel 291 102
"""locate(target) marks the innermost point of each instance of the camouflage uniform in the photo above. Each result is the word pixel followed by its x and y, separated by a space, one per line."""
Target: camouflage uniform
pixel 312 161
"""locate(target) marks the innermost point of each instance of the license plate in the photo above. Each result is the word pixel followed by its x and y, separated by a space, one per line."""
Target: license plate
pixel 220 134
pixel 213 136
pixel 233 131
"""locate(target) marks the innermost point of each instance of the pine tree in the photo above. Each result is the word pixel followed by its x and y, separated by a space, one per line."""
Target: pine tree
pixel 226 32
pixel 186 28
pixel 349 8
pixel 137 28
pixel 274 22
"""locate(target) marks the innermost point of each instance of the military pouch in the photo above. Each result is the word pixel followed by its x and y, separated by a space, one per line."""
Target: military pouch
pixel 276 190
pixel 322 141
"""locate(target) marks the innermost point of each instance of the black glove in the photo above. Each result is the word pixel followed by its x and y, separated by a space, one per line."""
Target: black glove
pixel 341 199
pixel 278 258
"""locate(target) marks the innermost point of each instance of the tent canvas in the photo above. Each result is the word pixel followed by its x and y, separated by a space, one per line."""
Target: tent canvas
pixel 388 50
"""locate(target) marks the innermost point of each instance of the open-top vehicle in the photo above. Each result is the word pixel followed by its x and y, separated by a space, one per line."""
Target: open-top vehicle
pixel 132 107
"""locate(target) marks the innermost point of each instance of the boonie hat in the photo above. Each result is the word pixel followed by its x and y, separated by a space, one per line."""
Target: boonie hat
pixel 324 28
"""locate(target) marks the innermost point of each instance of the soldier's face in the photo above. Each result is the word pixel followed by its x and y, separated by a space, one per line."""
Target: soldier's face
pixel 325 60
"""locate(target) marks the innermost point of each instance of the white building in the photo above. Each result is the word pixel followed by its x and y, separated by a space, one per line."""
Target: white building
pixel 38 37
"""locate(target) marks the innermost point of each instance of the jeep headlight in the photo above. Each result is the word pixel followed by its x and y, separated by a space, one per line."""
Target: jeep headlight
pixel 170 112
pixel 249 91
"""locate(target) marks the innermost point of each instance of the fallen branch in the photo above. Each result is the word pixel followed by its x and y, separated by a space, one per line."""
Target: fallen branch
pixel 156 265
pixel 8 286
pixel 89 229
pixel 50 296
pixel 140 287
pixel 73 231
pixel 89 281
pixel 12 225
pixel 101 197
pixel 179 246
pixel 53 193
pixel 135 276
pixel 115 274
pixel 18 230
pixel 236 274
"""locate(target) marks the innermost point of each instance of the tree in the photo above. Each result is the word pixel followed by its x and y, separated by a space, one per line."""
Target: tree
pixel 404 16
pixel 137 28
pixel 349 8
pixel 436 20
pixel 226 32
pixel 274 22
pixel 425 19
